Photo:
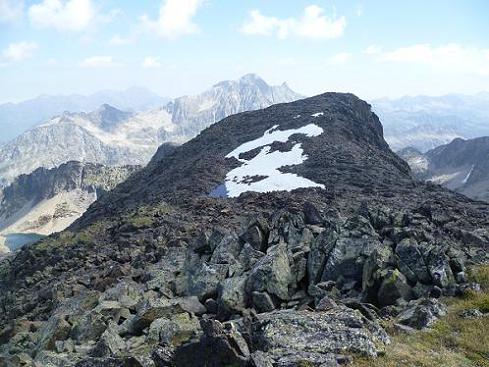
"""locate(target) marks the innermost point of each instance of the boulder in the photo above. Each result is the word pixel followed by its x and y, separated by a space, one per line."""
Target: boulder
pixel 271 273
pixel 394 286
pixel 338 330
pixel 174 330
pixel 110 344
pixel 232 297
pixel 411 262
pixel 262 302
pixel 422 313
pixel 217 346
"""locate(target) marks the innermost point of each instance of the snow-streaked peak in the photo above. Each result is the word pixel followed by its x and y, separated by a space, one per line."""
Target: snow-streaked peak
pixel 261 173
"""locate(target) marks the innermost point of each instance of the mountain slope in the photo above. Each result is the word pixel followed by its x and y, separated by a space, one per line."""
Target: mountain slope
pixel 461 165
pixel 15 118
pixel 112 137
pixel 426 122
pixel 48 201
pixel 276 237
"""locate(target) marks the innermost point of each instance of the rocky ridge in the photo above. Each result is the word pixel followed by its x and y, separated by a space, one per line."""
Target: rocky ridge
pixel 159 273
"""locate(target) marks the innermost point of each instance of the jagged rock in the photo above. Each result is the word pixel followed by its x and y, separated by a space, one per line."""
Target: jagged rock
pixel 203 281
pixel 262 302
pixel 255 237
pixel 379 260
pixel 339 330
pixel 232 297
pixel 217 347
pixel 261 359
pixel 56 328
pixel 271 273
pixel 311 214
pixel 162 308
pixel 357 240
pixel 394 286
pixel 174 330
pixel 110 344
pixel 422 313
pixel 411 261
pixel 439 268
pixel 320 251
pixel 306 359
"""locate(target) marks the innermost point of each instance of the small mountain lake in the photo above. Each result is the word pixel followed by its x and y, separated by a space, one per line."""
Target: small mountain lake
pixel 14 241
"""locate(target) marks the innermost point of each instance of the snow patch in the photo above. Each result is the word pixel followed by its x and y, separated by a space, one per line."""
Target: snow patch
pixel 464 181
pixel 317 114
pixel 261 173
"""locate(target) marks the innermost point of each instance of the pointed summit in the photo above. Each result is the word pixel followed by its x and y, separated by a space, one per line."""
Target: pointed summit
pixel 107 117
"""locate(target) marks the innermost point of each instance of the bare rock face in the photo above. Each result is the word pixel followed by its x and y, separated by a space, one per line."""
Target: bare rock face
pixel 287 277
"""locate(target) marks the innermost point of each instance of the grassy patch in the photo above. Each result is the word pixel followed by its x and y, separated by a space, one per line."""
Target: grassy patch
pixel 452 342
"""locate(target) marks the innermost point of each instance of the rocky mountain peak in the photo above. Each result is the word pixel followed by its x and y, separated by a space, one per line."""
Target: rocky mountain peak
pixel 108 117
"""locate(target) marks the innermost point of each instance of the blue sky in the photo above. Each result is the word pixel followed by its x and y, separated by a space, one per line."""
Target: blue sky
pixel 175 47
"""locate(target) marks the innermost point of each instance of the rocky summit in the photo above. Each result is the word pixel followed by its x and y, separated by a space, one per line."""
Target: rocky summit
pixel 286 236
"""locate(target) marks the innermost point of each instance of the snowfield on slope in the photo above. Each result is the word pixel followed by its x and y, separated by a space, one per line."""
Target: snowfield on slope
pixel 261 173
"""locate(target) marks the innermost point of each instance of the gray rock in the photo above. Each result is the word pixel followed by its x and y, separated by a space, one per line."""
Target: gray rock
pixel 174 330
pixel 255 237
pixel 394 286
pixel 110 344
pixel 262 302
pixel 411 261
pixel 422 313
pixel 217 347
pixel 162 308
pixel 271 273
pixel 320 250
pixel 357 240
pixel 339 330
pixel 232 297
pixel 472 313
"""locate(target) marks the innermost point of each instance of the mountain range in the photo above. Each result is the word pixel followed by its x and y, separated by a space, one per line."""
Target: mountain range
pixel 461 165
pixel 424 122
pixel 111 136
pixel 285 236
pixel 15 118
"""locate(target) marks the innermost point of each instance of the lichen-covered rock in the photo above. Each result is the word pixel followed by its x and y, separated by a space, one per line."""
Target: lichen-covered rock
pixel 394 286
pixel 422 313
pixel 174 330
pixel 271 273
pixel 338 330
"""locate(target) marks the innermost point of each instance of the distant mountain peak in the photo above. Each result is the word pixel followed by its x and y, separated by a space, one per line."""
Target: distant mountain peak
pixel 107 117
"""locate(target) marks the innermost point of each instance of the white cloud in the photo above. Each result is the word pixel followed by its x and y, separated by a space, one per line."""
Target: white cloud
pixel 312 24
pixel 150 63
pixel 339 58
pixel 11 10
pixel 16 52
pixel 99 62
pixel 175 19
pixel 71 15
pixel 453 57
